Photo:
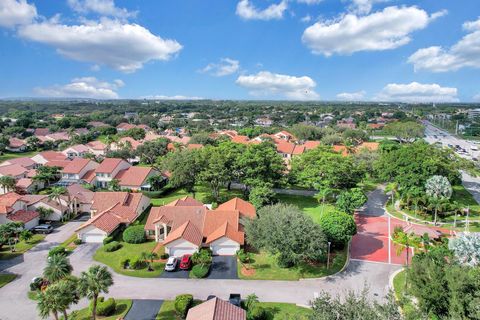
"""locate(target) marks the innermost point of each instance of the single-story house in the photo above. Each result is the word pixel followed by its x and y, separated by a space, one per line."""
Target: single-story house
pixel 76 151
pixel 109 211
pixel 25 162
pixel 136 178
pixel 216 309
pixel 47 156
pixel 59 209
pixel 186 225
pixel 16 145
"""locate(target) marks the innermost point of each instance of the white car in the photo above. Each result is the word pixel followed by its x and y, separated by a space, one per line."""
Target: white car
pixel 171 264
pixel 474 148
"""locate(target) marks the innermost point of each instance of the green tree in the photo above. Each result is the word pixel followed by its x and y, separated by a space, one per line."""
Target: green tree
pixel 339 227
pixel 285 231
pixel 407 131
pixel 96 280
pixel 26 235
pixel 58 298
pixel 321 167
pixel 156 181
pixel 262 195
pixel 135 133
pixel 47 174
pixel 215 173
pixel 33 142
pixel 114 185
pixel 438 188
pixel 58 267
pixel 7 183
pixel 56 194
pixel 321 196
pixel 404 242
pixel 149 151
pixel 44 212
pixel 9 232
pixel 352 199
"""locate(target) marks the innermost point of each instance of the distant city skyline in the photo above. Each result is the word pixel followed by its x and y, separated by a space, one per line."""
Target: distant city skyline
pixel 345 50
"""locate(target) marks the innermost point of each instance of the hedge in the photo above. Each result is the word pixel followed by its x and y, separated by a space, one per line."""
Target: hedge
pixel 57 250
pixel 200 271
pixel 137 263
pixel 112 246
pixel 257 313
pixel 183 302
pixel 104 307
pixel 107 240
pixel 134 234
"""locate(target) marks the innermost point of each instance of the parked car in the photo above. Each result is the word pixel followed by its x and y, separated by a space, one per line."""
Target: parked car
pixel 210 297
pixel 43 228
pixel 474 148
pixel 235 299
pixel 186 262
pixel 171 264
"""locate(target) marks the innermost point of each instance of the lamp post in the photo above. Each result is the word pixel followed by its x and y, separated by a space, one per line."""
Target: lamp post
pixel 328 255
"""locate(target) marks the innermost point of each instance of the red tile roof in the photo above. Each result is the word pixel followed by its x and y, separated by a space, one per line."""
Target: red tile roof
pixel 53 155
pixel 108 165
pixel 24 183
pixel 57 163
pixel 16 143
pixel 187 231
pixel 185 201
pixel 125 126
pixel 311 144
pixel 96 145
pixel 245 208
pixel 23 161
pixel 23 216
pixel 7 201
pixel 89 176
pixel 240 139
pixel 216 309
pixel 134 176
pixel 76 165
pixel 12 170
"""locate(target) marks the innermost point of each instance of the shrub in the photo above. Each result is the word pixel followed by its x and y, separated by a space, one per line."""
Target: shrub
pixel 137 263
pixel 107 240
pixel 77 241
pixel 134 234
pixel 183 302
pixel 112 246
pixel 257 313
pixel 164 256
pixel 124 263
pixel 57 250
pixel 200 271
pixel 104 307
pixel 36 284
pixel 339 227
pixel 243 256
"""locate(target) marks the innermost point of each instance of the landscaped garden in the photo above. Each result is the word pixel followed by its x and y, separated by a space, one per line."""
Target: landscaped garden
pixel 120 310
pixel 20 247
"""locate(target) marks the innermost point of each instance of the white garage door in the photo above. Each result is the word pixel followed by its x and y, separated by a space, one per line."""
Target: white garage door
pixel 92 237
pixel 179 251
pixel 224 250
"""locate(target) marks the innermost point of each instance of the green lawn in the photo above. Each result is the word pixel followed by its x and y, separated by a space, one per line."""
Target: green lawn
pixel 267 268
pixel 276 311
pixel 122 308
pixel 308 205
pixel 281 311
pixel 129 251
pixel 402 295
pixel 20 248
pixel 12 155
pixel 6 278
pixel 201 193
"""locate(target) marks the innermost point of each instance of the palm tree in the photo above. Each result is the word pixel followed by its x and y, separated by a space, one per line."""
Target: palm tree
pixel 402 241
pixel 7 183
pixel 93 282
pixel 26 235
pixel 393 188
pixel 56 195
pixel 57 298
pixel 114 185
pixel 322 194
pixel 58 267
pixel 438 188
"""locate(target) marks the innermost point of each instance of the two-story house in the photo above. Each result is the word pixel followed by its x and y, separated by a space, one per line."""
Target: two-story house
pixel 108 170
pixel 79 170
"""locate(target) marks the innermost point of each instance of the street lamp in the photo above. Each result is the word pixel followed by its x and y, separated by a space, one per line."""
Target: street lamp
pixel 328 255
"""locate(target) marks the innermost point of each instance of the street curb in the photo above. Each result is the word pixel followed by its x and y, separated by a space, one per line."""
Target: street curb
pixel 393 275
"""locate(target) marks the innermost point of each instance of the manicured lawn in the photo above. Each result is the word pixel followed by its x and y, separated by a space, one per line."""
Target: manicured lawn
pixel 12 155
pixel 267 268
pixel 130 251
pixel 122 308
pixel 20 248
pixel 6 278
pixel 281 311
pixel 308 205
pixel 167 311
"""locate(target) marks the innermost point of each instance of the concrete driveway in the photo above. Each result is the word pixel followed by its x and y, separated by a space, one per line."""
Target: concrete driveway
pixel 223 267
pixel 144 310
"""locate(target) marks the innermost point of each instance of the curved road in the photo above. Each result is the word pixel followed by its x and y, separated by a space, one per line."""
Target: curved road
pixel 14 303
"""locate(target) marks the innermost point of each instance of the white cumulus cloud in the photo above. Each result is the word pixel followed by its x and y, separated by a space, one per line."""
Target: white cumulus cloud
pixel 102 7
pixel 225 67
pixel 86 87
pixel 246 10
pixel 121 46
pixel 364 6
pixel 465 53
pixel 383 30
pixel 268 83
pixel 310 1
pixel 417 93
pixel 16 12
pixel 351 96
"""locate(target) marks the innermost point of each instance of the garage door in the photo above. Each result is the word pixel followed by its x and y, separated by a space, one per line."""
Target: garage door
pixel 224 250
pixel 92 237
pixel 179 251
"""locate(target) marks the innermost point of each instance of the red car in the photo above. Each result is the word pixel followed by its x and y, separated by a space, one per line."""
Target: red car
pixel 186 262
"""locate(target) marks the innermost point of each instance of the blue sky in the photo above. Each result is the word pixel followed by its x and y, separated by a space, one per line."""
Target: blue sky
pixel 383 50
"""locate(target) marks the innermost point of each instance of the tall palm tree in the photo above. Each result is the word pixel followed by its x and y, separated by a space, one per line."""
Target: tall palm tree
pixel 47 303
pixel 58 267
pixel 97 279
pixel 57 298
pixel 7 183
pixel 56 195
pixel 405 241
pixel 322 194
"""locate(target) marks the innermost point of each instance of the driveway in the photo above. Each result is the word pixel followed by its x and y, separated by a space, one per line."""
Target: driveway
pixel 144 310
pixel 223 267
pixel 178 274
